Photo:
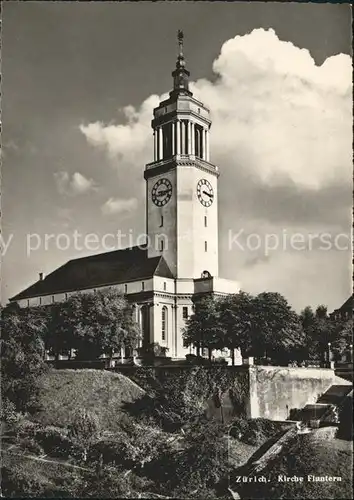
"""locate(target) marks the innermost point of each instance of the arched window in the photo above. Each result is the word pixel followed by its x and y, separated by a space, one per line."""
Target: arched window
pixel 164 323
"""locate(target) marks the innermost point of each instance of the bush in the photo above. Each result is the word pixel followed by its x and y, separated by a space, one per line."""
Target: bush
pixel 255 431
pixel 25 428
pixel 111 451
pixel 17 483
pixel 31 446
pixel 55 441
pixel 9 413
pixel 114 484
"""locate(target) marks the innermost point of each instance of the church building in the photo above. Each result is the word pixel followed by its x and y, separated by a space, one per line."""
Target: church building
pixel 179 260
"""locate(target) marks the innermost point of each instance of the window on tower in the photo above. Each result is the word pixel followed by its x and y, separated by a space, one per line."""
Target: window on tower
pixel 161 221
pixel 184 137
pixel 161 245
pixel 205 246
pixel 205 221
pixel 167 140
pixel 198 140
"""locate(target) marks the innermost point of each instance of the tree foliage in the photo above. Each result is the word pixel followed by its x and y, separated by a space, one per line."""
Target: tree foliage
pixel 261 326
pixel 92 324
pixel 84 430
pixel 22 347
pixel 204 328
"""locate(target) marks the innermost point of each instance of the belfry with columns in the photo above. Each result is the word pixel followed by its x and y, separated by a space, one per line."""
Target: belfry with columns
pixel 179 261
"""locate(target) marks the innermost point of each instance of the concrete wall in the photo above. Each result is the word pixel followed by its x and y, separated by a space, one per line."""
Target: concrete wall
pixel 274 391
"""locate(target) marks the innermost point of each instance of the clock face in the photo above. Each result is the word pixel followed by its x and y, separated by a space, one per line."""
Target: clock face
pixel 205 192
pixel 161 192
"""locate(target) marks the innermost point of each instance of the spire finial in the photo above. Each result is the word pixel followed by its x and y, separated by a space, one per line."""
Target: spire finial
pixel 180 37
pixel 180 74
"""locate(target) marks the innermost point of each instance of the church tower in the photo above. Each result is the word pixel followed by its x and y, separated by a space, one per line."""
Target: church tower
pixel 181 183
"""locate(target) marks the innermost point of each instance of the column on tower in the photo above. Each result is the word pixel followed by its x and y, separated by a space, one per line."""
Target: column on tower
pixel 193 138
pixel 155 145
pixel 173 138
pixel 207 153
pixel 183 137
pixel 189 129
pixel 178 138
pixel 160 144
pixel 202 143
pixel 205 143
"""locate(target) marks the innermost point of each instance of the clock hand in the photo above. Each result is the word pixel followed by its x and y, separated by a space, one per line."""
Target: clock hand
pixel 162 192
pixel 208 194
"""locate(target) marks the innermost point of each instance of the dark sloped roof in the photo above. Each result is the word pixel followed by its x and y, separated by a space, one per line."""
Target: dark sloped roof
pixel 348 304
pixel 107 268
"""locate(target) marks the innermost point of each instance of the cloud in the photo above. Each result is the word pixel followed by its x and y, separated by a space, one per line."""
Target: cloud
pixel 74 185
pixel 125 141
pixel 282 138
pixel 118 206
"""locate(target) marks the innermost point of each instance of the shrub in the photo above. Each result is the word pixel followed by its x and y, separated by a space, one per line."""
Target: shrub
pixel 55 441
pixel 9 414
pixel 31 446
pixel 25 428
pixel 17 483
pixel 111 451
pixel 254 431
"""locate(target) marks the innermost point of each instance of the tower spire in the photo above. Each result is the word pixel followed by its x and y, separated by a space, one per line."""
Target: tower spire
pixel 180 38
pixel 180 74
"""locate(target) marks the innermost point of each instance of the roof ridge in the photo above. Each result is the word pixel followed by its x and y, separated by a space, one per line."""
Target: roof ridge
pixel 104 269
pixel 141 248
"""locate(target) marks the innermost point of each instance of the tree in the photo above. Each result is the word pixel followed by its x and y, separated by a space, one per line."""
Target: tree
pixel 342 339
pixel 237 317
pixel 204 328
pixel 59 338
pixel 278 332
pixel 93 324
pixel 203 462
pixel 22 347
pixel 325 328
pixel 319 331
pixel 84 430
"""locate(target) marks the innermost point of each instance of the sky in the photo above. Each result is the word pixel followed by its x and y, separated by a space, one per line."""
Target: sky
pixel 80 81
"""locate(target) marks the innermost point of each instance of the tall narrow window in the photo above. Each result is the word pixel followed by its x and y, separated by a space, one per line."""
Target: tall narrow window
pixel 205 246
pixel 125 289
pixel 66 296
pixel 161 221
pixel 185 312
pixel 205 221
pixel 27 303
pixel 164 323
pixel 53 300
pixel 164 285
pixel 161 245
pixel 40 301
pixel 196 141
pixel 167 140
pixel 198 138
pixel 142 285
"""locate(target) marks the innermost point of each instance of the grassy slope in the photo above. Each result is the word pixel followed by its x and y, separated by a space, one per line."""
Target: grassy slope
pixel 65 391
